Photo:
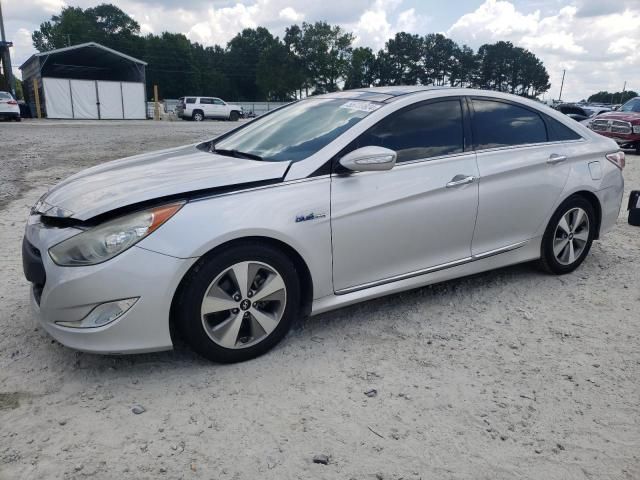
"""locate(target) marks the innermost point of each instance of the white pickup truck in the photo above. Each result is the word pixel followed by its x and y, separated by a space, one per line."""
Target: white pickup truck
pixel 199 108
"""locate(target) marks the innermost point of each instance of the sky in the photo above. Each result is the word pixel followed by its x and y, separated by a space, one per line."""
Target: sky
pixel 595 41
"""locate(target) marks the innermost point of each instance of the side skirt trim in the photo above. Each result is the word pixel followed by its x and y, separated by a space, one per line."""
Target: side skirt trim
pixel 435 268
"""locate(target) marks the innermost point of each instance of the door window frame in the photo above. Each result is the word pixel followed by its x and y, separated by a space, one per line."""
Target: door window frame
pixel 541 115
pixel 467 144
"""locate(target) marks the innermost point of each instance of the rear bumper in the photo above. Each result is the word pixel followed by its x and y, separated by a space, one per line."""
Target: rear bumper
pixel 71 293
pixel 610 202
pixel 11 115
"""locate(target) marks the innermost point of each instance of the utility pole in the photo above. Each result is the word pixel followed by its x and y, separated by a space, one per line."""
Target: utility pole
pixel 561 85
pixel 623 89
pixel 5 56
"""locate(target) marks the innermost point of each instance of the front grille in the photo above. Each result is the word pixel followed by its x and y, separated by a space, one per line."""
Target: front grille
pixel 613 126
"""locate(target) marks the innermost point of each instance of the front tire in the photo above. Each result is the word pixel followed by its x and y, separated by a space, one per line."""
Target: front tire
pixel 239 302
pixel 234 116
pixel 568 237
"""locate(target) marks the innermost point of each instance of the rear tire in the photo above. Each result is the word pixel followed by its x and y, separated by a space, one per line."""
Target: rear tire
pixel 234 116
pixel 197 116
pixel 18 119
pixel 568 237
pixel 225 322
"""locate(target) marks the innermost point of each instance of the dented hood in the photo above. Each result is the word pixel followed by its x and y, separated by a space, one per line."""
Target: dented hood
pixel 167 173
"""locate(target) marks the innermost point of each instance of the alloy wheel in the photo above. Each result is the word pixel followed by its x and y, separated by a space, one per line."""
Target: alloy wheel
pixel 198 117
pixel 571 236
pixel 243 304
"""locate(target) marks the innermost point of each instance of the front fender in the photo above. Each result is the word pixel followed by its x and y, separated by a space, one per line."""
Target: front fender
pixel 281 212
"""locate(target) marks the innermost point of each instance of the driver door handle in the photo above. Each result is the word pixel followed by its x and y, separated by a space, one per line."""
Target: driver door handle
pixel 555 158
pixel 459 180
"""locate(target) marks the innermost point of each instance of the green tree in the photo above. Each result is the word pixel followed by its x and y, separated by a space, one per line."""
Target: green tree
pixel 324 51
pixel 403 58
pixel 277 73
pixel 312 58
pixel 172 65
pixel 105 24
pixel 110 20
pixel 210 65
pixel 464 66
pixel 612 97
pixel 506 68
pixel 438 59
pixel 362 70
pixel 243 54
pixel 72 26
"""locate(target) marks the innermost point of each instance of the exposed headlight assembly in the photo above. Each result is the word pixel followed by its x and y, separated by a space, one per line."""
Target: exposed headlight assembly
pixel 105 241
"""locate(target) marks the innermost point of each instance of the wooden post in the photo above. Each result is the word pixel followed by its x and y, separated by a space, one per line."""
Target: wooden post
pixel 36 94
pixel 156 108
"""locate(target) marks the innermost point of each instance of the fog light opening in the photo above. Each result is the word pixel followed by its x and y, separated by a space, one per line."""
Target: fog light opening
pixel 102 314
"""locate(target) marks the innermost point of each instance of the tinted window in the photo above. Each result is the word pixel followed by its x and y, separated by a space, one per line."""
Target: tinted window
pixel 217 101
pixel 425 131
pixel 499 124
pixel 206 101
pixel 559 132
pixel 191 100
pixel 5 96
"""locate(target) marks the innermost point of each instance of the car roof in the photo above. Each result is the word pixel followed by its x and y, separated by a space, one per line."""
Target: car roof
pixel 381 94
pixel 392 93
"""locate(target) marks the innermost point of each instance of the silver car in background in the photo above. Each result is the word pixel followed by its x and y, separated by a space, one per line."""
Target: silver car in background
pixel 320 204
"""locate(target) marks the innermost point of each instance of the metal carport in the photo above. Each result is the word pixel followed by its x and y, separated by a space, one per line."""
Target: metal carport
pixel 88 81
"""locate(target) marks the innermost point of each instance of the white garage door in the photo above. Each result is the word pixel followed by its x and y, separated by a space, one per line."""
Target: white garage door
pixel 110 100
pixel 133 100
pixel 57 96
pixel 79 99
pixel 84 99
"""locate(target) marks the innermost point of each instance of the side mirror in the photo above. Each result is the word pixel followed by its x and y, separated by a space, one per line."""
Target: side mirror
pixel 369 159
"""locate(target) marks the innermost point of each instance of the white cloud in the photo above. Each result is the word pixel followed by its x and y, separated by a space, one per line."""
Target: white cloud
pixel 380 22
pixel 596 45
pixel 290 15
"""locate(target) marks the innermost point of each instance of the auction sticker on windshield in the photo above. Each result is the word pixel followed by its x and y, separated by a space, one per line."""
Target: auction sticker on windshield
pixel 361 106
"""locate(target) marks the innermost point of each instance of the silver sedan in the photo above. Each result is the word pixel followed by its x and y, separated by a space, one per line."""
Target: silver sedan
pixel 323 203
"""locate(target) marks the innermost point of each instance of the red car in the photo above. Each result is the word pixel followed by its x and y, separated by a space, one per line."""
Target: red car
pixel 622 125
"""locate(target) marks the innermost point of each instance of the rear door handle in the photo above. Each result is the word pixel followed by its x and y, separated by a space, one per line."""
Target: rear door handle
pixel 555 158
pixel 459 180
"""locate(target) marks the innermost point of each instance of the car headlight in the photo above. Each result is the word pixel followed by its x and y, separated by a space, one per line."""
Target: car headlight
pixel 105 241
pixel 636 129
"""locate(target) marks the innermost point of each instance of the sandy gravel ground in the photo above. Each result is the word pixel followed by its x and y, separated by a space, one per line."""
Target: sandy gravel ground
pixel 510 374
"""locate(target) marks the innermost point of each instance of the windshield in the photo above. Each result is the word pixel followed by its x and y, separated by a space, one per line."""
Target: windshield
pixel 632 105
pixel 297 131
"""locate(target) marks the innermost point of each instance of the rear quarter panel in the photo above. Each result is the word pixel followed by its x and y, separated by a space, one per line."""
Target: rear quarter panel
pixel 585 159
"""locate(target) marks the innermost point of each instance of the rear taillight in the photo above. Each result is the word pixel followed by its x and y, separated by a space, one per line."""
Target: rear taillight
pixel 12 102
pixel 617 159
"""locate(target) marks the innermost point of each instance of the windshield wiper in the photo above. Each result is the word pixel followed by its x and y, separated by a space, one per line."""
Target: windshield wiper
pixel 236 153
